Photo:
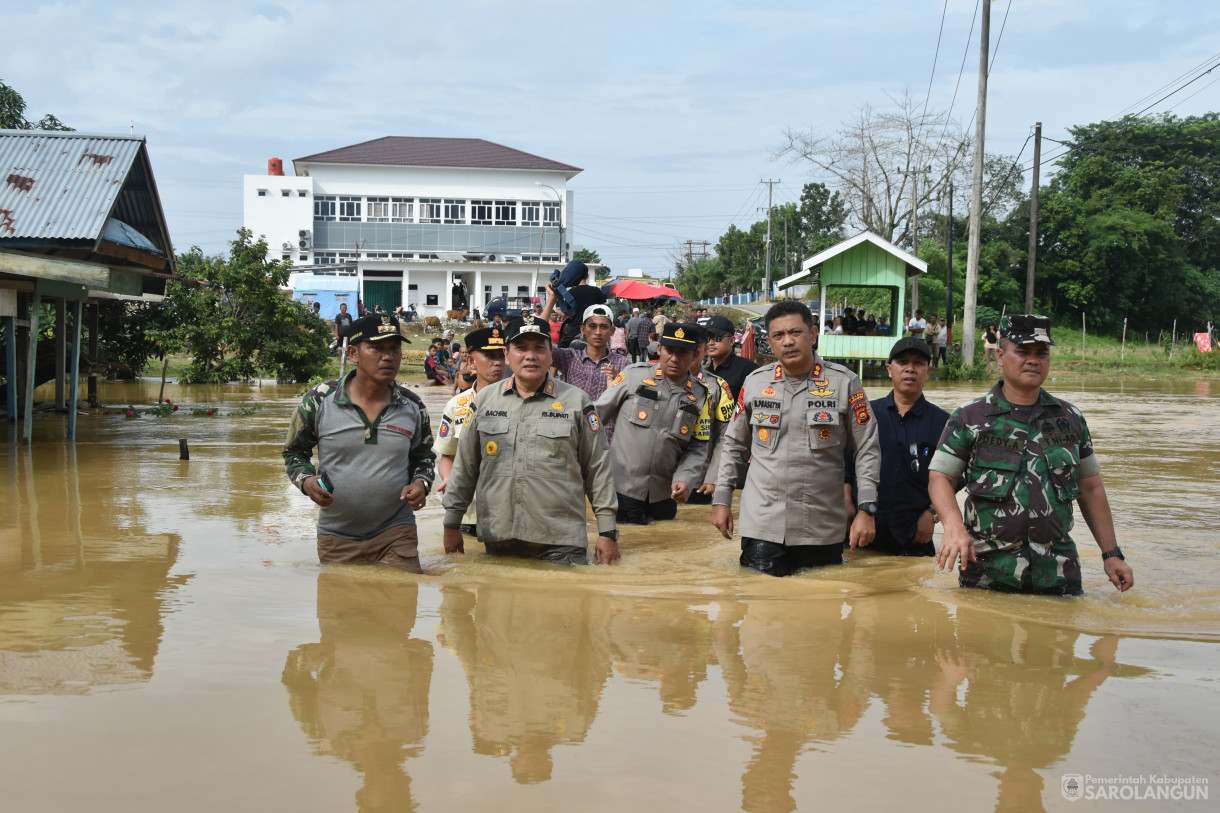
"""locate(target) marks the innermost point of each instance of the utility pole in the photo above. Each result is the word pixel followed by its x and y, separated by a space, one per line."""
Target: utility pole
pixel 915 239
pixel 949 274
pixel 770 190
pixel 690 260
pixel 976 197
pixel 1033 223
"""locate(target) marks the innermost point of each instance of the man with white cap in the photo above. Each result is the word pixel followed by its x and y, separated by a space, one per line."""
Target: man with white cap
pixel 592 367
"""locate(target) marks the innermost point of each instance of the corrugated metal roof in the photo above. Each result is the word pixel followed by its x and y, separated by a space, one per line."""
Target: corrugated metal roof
pixel 415 151
pixel 61 185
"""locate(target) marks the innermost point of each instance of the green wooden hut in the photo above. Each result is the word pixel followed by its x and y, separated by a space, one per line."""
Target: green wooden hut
pixel 863 261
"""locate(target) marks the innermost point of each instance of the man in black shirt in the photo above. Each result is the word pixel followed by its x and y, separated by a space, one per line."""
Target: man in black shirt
pixel 909 428
pixel 722 361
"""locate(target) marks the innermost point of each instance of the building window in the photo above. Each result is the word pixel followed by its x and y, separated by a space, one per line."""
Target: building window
pixel 402 210
pixel 376 255
pixel 285 193
pixel 429 210
pixel 550 214
pixel 523 290
pixel 345 256
pixel 455 211
pixel 324 207
pixel 399 255
pixel 529 258
pixel 286 257
pixel 301 193
pixel 378 211
pixel 324 258
pixel 487 290
pixel 531 212
pixel 480 212
pixel 262 193
pixel 309 298
pixel 349 207
pixel 550 258
pixel 340 298
pixel 304 257
pixel 504 290
pixel 506 213
pixel 433 299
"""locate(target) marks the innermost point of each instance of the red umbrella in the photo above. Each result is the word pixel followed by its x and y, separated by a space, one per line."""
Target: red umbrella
pixel 638 289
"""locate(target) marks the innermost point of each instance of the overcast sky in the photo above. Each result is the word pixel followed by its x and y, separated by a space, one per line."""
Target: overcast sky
pixel 672 108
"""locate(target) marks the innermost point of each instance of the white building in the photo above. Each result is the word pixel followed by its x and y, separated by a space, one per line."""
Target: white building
pixel 411 217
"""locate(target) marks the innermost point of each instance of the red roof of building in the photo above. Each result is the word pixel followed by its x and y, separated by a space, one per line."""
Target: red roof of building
pixel 412 151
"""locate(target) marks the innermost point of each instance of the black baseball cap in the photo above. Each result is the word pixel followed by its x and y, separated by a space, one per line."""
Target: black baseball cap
pixel 910 343
pixel 487 338
pixel 719 326
pixel 376 328
pixel 681 334
pixel 527 327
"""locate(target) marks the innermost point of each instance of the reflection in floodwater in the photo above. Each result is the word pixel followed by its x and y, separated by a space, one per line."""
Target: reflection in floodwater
pixel 361 692
pixel 1025 697
pixel 536 663
pixel 82 592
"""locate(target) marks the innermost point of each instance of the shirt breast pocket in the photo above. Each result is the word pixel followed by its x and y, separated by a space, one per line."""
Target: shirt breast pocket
pixel 1063 468
pixel 494 438
pixel 642 411
pixel 992 475
pixel 683 426
pixel 824 427
pixel 764 426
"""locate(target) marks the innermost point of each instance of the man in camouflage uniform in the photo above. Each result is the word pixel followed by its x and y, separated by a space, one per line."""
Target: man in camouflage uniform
pixel 1026 456
pixel 532 451
pixel 485 348
pixel 661 443
pixel 794 418
pixel 375 458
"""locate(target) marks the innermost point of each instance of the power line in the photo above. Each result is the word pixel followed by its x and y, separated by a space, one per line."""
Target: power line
pixel 935 57
pixel 1145 109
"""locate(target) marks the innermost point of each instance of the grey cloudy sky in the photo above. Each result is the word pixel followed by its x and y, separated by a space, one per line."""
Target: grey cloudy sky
pixel 672 108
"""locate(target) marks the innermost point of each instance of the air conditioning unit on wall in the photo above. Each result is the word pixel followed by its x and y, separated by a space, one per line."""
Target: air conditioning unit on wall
pixel 304 239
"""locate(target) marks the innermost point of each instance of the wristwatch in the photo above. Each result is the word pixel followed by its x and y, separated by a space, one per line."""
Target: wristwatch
pixel 1110 554
pixel 869 508
pixel 611 535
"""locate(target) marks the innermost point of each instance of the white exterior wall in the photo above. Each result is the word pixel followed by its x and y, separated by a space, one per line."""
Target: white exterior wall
pixel 276 217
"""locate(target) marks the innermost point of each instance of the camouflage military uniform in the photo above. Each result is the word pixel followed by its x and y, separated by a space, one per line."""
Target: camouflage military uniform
pixel 1023 473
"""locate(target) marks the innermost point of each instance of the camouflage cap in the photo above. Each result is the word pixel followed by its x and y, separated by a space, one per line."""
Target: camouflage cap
pixel 1026 328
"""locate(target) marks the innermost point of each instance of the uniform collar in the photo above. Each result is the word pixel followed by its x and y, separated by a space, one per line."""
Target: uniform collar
pixel 997 404
pixel 916 409
pixel 814 372
pixel 342 398
pixel 510 385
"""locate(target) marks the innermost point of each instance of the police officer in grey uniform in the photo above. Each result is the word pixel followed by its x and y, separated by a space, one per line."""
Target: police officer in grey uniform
pixel 661 443
pixel 795 417
pixel 531 453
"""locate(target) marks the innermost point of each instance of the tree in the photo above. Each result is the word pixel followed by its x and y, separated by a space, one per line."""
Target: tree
pixel 822 215
pixel 12 114
pixel 875 159
pixel 233 318
pixel 1130 225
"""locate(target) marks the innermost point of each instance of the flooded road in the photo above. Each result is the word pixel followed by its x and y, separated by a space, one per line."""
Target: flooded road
pixel 169 642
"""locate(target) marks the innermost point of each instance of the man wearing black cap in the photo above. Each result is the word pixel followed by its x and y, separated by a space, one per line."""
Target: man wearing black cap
pixel 909 427
pixel 720 409
pixel 1027 456
pixel 724 362
pixel 375 458
pixel 793 419
pixel 661 443
pixel 531 453
pixel 486 349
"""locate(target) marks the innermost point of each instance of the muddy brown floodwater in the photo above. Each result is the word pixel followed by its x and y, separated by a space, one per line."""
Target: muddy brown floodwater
pixel 169 642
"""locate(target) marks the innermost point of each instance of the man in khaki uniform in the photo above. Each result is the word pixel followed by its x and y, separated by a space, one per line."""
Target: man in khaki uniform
pixel 533 450
pixel 485 348
pixel 795 417
pixel 661 441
